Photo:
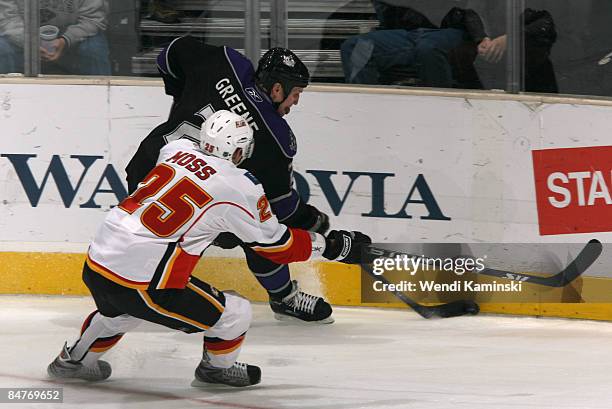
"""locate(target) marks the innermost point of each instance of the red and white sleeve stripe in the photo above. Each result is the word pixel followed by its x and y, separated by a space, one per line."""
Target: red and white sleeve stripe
pixel 295 245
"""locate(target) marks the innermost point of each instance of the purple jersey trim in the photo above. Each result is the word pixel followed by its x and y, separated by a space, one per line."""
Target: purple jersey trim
pixel 276 125
pixel 162 60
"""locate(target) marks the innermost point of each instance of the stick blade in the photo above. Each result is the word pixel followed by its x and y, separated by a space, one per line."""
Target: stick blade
pixel 587 256
pixel 452 309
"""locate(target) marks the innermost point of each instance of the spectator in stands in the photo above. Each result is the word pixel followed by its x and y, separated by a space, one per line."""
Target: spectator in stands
pixel 406 37
pixel 540 36
pixel 81 47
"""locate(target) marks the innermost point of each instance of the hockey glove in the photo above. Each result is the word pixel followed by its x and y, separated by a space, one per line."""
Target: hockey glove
pixel 318 221
pixel 345 246
pixel 227 241
pixel 308 217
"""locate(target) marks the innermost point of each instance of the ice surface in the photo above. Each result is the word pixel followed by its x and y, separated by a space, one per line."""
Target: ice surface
pixel 368 359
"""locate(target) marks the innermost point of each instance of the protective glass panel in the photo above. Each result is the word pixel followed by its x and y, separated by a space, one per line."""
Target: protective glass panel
pixel 74 38
pixel 12 37
pixel 491 60
pixel 102 37
pixel 160 21
pixel 579 56
pixel 426 43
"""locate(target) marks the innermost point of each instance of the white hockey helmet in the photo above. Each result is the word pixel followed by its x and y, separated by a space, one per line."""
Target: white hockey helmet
pixel 225 132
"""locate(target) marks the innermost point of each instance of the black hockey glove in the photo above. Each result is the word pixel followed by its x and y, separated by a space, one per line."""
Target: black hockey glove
pixel 318 221
pixel 227 241
pixel 345 246
pixel 308 217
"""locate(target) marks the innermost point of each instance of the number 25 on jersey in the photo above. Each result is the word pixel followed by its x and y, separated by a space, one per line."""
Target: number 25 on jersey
pixel 178 201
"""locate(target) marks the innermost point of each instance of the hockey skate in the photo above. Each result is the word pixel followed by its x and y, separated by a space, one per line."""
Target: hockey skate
pixel 301 306
pixel 64 368
pixel 239 375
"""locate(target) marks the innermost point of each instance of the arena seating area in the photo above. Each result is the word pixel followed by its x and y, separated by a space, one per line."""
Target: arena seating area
pixel 315 28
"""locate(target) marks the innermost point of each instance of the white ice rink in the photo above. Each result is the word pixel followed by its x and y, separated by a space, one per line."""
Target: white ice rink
pixel 367 359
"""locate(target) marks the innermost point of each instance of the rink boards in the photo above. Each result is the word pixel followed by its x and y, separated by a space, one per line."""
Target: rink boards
pixel 59 273
pixel 403 166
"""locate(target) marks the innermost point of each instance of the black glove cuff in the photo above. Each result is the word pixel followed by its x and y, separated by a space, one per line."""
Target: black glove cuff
pixel 307 217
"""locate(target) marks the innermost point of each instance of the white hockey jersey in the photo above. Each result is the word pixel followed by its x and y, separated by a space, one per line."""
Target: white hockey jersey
pixel 155 237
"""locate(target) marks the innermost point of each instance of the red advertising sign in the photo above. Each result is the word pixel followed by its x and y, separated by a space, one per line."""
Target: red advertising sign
pixel 574 189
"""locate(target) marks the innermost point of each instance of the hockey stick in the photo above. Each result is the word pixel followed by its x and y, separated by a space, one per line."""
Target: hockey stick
pixel 447 310
pixel 575 268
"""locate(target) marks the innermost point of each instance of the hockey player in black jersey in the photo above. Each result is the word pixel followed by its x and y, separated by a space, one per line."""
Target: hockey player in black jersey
pixel 202 79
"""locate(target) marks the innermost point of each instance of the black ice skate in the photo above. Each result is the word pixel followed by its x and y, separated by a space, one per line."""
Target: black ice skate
pixel 301 306
pixel 65 368
pixel 240 374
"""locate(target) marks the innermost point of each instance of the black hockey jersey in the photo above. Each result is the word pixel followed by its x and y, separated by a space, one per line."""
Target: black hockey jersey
pixel 203 79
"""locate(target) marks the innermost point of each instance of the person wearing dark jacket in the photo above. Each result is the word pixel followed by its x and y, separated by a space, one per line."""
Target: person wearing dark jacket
pixel 407 37
pixel 540 36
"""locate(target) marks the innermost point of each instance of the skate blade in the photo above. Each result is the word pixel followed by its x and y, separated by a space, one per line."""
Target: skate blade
pixel 199 384
pixel 73 379
pixel 212 386
pixel 295 320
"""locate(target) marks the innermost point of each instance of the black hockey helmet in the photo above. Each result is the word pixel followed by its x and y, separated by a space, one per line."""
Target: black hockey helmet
pixel 283 66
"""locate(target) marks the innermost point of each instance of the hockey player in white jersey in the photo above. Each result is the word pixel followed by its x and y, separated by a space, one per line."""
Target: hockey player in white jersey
pixel 140 262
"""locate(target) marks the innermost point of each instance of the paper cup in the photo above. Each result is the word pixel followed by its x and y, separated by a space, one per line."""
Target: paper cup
pixel 47 35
